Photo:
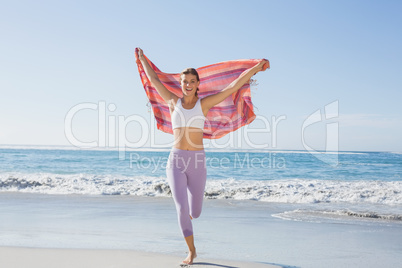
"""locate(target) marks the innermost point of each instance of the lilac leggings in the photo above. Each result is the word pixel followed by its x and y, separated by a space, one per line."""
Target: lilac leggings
pixel 187 174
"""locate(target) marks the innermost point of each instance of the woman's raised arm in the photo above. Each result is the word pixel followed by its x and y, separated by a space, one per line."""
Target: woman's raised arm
pixel 212 100
pixel 153 78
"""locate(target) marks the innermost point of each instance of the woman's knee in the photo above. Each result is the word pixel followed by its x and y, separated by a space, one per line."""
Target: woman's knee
pixel 182 209
pixel 196 213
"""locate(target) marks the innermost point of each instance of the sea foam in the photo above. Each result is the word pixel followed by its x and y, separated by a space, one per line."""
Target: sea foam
pixel 339 216
pixel 284 191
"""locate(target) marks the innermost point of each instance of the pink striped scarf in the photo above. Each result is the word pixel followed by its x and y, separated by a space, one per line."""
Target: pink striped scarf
pixel 229 115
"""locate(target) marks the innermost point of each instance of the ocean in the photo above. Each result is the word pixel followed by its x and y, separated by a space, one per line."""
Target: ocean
pixel 265 176
pixel 111 193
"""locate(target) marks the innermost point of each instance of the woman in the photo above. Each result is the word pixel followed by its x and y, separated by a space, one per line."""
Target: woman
pixel 186 168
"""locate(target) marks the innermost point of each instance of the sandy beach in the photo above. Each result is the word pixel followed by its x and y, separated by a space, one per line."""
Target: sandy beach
pixel 40 230
pixel 14 257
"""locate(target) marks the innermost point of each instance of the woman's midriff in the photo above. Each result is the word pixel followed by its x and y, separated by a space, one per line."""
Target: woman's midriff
pixel 188 138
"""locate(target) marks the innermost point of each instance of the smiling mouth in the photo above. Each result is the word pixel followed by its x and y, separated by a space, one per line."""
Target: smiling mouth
pixel 189 89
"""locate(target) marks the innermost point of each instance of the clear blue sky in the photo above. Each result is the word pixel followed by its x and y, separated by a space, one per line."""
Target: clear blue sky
pixel 55 55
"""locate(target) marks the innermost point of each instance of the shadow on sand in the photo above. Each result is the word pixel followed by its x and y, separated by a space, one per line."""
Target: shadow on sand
pixel 209 264
pixel 195 264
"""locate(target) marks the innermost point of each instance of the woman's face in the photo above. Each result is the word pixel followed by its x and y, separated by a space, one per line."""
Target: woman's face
pixel 189 84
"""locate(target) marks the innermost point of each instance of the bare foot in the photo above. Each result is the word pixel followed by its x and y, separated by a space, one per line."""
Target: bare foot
pixel 190 257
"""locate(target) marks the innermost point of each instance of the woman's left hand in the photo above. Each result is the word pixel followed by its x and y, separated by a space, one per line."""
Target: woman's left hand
pixel 262 66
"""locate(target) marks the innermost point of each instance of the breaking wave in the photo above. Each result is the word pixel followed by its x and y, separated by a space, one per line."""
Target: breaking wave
pixel 342 215
pixel 284 191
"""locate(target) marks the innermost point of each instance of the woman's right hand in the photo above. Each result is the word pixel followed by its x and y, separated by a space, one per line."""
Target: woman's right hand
pixel 140 53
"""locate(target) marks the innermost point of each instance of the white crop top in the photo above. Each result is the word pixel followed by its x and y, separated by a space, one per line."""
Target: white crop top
pixel 182 117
